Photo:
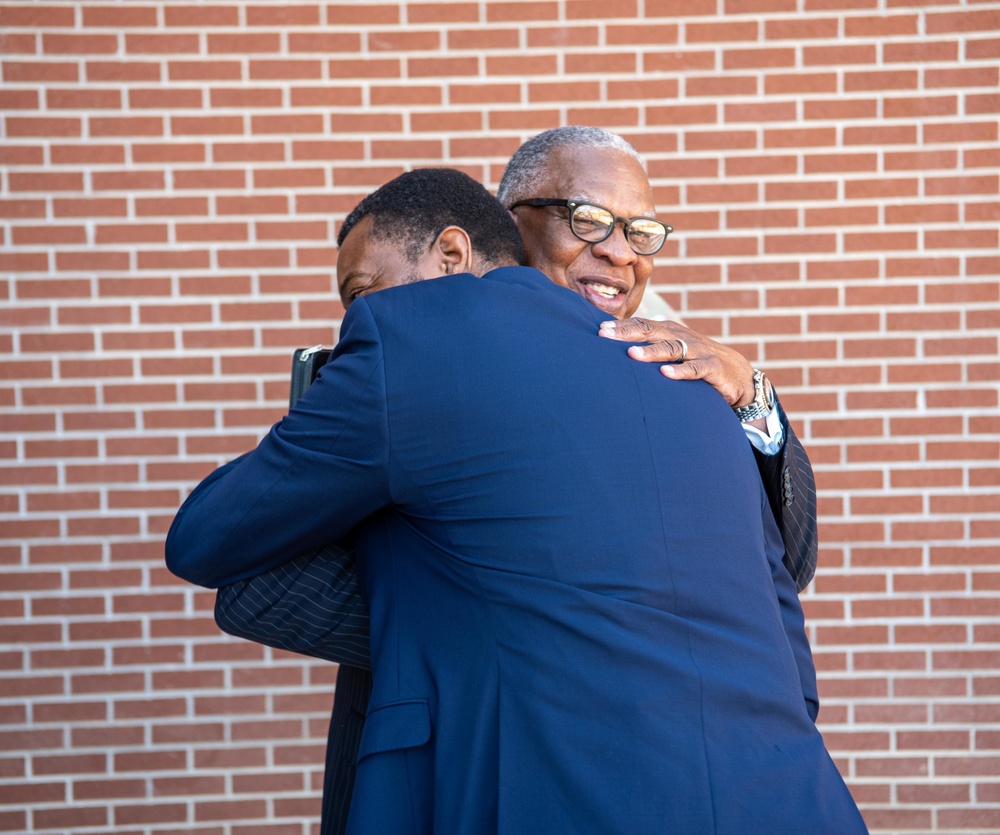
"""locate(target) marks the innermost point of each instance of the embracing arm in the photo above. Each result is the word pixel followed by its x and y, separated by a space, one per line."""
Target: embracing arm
pixel 311 605
pixel 312 478
pixel 791 491
pixel 790 610
pixel 787 474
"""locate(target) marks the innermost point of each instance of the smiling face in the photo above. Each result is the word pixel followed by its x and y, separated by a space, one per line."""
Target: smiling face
pixel 608 274
pixel 366 264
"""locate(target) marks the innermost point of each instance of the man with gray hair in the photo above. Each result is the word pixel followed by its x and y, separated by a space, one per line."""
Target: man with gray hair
pixel 568 190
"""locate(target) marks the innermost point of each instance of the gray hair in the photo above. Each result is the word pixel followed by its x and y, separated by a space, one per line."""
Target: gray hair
pixel 527 166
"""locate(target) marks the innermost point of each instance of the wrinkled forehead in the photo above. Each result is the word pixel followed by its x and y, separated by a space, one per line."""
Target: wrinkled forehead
pixel 605 176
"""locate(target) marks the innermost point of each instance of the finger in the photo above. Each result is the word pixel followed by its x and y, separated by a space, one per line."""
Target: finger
pixel 667 350
pixel 690 370
pixel 630 330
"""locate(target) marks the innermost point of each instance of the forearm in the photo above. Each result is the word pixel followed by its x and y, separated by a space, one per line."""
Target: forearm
pixel 791 491
pixel 312 478
pixel 311 605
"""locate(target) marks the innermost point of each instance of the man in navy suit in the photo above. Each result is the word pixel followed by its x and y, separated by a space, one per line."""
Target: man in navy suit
pixel 311 604
pixel 520 525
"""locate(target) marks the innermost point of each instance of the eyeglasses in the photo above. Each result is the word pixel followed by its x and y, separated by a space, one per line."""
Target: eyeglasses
pixel 594 224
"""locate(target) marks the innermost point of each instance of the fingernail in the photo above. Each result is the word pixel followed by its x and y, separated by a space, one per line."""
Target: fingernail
pixel 636 351
pixel 610 324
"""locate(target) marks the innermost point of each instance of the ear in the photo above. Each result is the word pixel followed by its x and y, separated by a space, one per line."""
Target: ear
pixel 451 252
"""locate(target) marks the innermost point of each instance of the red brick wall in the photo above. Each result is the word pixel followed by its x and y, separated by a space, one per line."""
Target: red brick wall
pixel 171 180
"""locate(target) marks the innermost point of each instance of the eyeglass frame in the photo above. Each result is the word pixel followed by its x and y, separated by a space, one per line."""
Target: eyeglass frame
pixel 572 205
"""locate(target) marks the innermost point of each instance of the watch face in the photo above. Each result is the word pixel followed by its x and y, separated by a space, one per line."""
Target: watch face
pixel 767 392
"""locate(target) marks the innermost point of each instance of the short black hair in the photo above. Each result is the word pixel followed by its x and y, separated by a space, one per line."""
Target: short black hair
pixel 415 207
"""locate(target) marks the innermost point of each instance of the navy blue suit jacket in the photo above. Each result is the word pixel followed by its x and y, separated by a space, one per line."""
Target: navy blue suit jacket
pixel 312 605
pixel 517 528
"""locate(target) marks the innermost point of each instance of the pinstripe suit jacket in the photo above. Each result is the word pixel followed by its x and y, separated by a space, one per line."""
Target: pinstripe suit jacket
pixel 312 606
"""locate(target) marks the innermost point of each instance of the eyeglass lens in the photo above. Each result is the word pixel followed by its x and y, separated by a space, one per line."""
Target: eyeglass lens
pixel 595 223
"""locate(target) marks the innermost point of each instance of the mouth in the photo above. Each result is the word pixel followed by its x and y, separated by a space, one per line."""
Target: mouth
pixel 608 297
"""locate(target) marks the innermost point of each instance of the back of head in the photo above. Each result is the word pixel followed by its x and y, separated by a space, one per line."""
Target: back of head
pixel 527 165
pixel 414 208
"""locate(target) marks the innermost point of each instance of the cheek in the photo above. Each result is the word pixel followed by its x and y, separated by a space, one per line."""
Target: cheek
pixel 643 269
pixel 548 257
pixel 569 260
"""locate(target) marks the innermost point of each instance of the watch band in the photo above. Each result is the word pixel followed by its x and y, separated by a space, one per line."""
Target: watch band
pixel 763 399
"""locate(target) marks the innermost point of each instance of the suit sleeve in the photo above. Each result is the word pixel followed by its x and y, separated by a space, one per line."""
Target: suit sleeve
pixel 791 491
pixel 311 605
pixel 313 477
pixel 792 618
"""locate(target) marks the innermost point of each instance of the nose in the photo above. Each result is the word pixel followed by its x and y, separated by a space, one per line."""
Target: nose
pixel 615 248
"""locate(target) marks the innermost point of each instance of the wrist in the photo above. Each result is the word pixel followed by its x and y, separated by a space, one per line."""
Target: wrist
pixel 762 401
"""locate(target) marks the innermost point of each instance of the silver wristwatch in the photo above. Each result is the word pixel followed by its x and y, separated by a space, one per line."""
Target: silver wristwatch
pixel 763 399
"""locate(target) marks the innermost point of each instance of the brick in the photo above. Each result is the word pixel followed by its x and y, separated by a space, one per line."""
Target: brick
pixel 200 179
pixel 896 820
pixel 720 86
pixel 959 77
pixel 90 153
pixel 22 155
pixel 30 235
pixel 103 736
pixel 45 181
pixel 204 70
pixel 127 180
pixel 844 162
pixel 90 207
pixel 285 70
pixel 249 98
pixel 126 126
pixel 206 125
pixel 79 816
pixel 135 815
pixel 116 17
pixel 124 71
pixel 875 80
pixel 840 217
pixel 243 43
pixel 880 241
pixel 154 99
pixel 498 38
pixel 33 16
pixel 739 59
pixel 798 83
pixel 19 99
pixel 824 28
pixel 927 213
pixel 198 16
pixel 881 135
pixel 78 44
pixel 68 99
pixel 162 43
pixel 289 177
pixel 20 44
pixel 44 127
pixel 361 68
pixel 38 72
pixel 921 52
pixel 36 792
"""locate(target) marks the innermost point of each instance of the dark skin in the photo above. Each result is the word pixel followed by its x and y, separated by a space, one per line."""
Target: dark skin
pixel 723 368
pixel 611 276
